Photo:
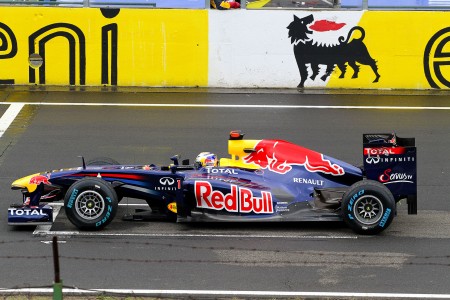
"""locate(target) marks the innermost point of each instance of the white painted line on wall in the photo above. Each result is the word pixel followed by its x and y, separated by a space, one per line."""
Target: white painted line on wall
pixel 9 116
pixel 233 106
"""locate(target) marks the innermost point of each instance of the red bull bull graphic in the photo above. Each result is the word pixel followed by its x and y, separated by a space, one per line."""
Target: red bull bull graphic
pixel 39 179
pixel 279 156
pixel 238 200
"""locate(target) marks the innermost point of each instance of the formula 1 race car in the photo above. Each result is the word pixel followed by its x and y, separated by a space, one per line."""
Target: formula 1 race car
pixel 263 180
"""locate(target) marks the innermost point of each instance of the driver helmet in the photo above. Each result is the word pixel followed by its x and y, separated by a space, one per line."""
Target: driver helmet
pixel 207 159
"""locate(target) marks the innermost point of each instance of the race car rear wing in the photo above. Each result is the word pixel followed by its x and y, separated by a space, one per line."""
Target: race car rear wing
pixel 391 160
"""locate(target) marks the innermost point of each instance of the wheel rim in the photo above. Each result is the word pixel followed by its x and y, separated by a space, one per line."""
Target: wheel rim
pixel 89 205
pixel 368 210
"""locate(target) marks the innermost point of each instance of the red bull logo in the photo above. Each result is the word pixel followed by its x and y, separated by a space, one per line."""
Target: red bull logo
pixel 238 200
pixel 39 179
pixel 280 156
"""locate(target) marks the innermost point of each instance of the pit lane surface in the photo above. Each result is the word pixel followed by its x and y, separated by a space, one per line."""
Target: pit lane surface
pixel 410 259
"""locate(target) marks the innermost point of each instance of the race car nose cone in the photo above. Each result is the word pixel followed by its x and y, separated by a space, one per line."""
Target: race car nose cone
pixel 25 183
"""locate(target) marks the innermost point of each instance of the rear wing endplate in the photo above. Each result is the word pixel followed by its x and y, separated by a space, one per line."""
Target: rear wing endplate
pixel 392 161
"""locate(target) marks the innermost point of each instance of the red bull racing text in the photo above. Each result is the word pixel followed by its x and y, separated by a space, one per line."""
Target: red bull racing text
pixel 238 200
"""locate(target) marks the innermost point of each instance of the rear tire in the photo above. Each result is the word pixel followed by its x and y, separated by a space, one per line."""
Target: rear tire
pixel 368 207
pixel 90 204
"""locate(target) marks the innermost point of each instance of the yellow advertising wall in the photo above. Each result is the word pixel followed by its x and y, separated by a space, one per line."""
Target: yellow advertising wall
pixel 170 47
pixel 83 46
pixel 398 42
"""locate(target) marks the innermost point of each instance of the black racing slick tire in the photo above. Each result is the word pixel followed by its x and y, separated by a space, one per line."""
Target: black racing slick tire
pixel 368 207
pixel 90 203
pixel 102 161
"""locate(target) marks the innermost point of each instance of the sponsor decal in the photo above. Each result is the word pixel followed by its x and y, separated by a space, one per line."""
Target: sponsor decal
pixel 167 181
pixel 172 207
pixel 39 179
pixel 373 154
pixel 308 181
pixel 108 213
pixel 84 63
pixel 72 198
pixel 26 212
pixel 396 159
pixel 435 59
pixel 373 160
pixel 388 177
pixel 221 171
pixel 386 155
pixel 386 151
pixel 167 184
pixel 354 197
pixel 385 217
pixel 281 206
pixel 238 200
pixel 280 156
pixel 311 53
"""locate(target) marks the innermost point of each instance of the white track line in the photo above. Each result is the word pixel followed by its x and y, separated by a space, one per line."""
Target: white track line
pixel 9 116
pixel 214 293
pixel 233 106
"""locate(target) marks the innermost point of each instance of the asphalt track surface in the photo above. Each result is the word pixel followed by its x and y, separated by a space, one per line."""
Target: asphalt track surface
pixel 411 259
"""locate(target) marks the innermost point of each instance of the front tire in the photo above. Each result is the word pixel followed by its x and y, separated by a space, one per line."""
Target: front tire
pixel 368 207
pixel 90 203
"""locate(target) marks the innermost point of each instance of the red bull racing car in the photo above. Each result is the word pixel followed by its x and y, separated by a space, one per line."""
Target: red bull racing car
pixel 263 180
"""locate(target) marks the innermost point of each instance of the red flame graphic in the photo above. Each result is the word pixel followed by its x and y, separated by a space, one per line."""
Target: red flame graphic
pixel 325 25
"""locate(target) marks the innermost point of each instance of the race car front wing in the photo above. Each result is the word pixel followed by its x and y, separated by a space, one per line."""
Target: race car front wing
pixel 30 215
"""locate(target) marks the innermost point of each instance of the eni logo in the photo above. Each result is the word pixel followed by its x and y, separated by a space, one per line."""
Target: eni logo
pixel 77 49
pixel 436 59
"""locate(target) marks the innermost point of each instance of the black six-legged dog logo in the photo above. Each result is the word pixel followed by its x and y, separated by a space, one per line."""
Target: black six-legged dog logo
pixel 307 51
